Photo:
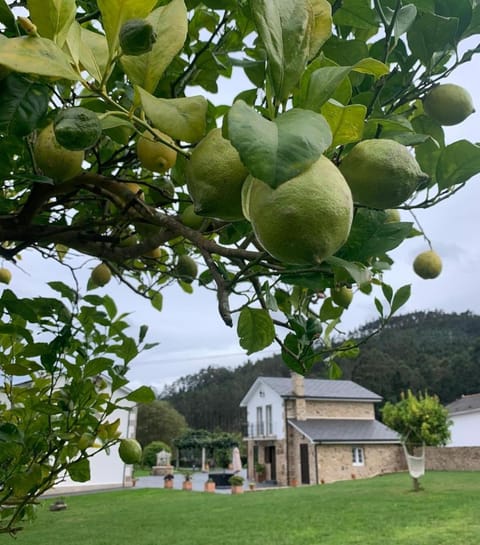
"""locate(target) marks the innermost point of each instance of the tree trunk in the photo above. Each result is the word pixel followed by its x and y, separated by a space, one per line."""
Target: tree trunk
pixel 416 484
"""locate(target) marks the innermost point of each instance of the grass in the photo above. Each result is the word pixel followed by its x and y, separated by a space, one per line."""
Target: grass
pixel 363 512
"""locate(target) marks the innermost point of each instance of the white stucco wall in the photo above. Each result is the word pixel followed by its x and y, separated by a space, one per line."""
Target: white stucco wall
pixel 465 430
pixel 269 397
pixel 107 470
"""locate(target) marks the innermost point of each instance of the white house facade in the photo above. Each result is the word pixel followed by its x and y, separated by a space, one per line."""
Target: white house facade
pixel 465 416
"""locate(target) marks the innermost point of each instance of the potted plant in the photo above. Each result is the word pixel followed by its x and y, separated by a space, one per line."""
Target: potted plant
pixel 260 472
pixel 251 485
pixel 168 480
pixel 236 482
pixel 209 485
pixel 187 483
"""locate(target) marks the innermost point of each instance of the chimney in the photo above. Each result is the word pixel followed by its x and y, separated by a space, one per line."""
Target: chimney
pixel 298 390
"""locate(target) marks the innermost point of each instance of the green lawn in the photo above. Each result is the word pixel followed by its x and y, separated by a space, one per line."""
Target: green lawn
pixel 377 511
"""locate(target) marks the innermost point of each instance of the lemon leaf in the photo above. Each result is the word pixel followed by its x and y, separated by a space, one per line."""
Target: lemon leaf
pixel 170 24
pixel 181 118
pixel 284 28
pixel 52 18
pixel 457 163
pixel 290 144
pixel 79 471
pixel 33 55
pixel 255 329
pixel 346 122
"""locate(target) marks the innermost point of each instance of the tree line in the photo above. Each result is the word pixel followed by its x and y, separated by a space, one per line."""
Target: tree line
pixel 422 351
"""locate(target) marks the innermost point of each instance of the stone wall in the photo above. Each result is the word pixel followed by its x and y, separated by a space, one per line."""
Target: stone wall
pixel 334 462
pixel 452 458
pixel 344 409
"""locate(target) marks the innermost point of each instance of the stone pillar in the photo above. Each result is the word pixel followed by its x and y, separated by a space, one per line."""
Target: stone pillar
pixel 298 389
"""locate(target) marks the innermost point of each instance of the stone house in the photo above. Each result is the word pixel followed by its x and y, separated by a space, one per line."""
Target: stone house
pixel 309 431
pixel 465 416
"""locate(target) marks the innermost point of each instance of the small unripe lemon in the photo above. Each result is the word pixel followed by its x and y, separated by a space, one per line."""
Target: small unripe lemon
pixel 101 275
pixel 130 451
pixel 449 104
pixel 428 265
pixel 5 276
pixel 186 269
pixel 155 155
pixel 54 160
pixel 189 218
pixel 342 296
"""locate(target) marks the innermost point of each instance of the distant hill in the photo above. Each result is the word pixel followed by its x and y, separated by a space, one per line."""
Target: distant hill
pixel 432 351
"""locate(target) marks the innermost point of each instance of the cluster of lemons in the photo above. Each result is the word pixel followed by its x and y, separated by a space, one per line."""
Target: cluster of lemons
pixel 304 220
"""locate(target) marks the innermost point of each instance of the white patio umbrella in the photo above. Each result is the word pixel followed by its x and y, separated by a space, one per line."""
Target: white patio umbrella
pixel 236 460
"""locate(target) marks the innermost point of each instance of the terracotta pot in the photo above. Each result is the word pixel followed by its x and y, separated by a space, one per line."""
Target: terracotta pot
pixel 168 484
pixel 237 489
pixel 187 485
pixel 209 487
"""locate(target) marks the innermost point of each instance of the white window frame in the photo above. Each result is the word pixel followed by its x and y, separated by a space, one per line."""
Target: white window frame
pixel 260 425
pixel 268 420
pixel 358 456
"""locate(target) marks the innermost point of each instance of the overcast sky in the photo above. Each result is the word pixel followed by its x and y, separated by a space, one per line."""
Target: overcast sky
pixel 191 334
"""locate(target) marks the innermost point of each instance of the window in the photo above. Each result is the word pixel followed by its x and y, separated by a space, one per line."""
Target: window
pixel 268 419
pixel 260 421
pixel 358 456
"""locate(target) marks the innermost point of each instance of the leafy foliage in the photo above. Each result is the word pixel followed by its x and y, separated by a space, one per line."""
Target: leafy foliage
pixel 149 456
pixel 63 364
pixel 158 421
pixel 419 419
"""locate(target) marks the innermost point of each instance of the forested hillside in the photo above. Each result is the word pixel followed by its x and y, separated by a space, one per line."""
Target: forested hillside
pixel 430 351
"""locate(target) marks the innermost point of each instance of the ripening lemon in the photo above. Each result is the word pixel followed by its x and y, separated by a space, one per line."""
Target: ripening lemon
pixel 101 275
pixel 381 173
pixel 427 265
pixel 130 451
pixel 304 220
pixel 215 176
pixel 54 160
pixel 186 268
pixel 449 104
pixel 5 275
pixel 153 154
pixel 342 296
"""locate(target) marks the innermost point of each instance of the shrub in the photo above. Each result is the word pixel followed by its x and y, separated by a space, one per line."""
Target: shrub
pixel 149 458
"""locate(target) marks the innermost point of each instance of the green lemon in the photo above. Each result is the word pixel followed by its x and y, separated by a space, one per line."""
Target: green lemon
pixel 101 275
pixel 189 218
pixel 77 129
pixel 136 37
pixel 215 176
pixel 381 173
pixel 5 275
pixel 304 220
pixel 186 268
pixel 427 265
pixel 449 104
pixel 130 451
pixel 53 159
pixel 342 296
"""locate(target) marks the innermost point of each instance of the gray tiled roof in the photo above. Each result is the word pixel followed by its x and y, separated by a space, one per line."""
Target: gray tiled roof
pixel 465 403
pixel 334 430
pixel 323 389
